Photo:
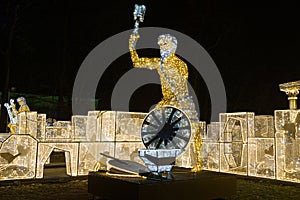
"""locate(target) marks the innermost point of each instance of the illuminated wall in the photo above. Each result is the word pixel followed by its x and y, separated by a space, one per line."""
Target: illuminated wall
pixel 287 127
pixel 240 143
pixel 18 157
pixel 260 146
pixel 235 128
pixel 23 155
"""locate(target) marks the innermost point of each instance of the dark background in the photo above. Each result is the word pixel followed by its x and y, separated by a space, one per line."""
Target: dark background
pixel 255 47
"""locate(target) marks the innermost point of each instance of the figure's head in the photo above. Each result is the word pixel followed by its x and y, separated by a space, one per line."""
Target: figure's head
pixel 167 43
pixel 21 101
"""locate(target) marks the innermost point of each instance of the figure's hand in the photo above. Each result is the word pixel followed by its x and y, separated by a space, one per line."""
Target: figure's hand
pixel 133 40
pixel 6 105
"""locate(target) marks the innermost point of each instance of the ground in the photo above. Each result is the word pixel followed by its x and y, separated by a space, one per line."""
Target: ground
pixel 77 188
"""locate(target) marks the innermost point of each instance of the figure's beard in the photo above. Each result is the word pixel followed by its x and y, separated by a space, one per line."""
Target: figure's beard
pixel 165 53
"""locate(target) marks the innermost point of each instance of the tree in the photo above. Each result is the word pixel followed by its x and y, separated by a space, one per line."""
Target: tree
pixel 9 19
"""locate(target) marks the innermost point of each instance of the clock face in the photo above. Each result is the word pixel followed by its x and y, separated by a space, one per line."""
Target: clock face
pixel 166 128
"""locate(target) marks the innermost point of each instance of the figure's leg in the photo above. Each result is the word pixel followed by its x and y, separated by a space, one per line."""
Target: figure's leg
pixel 197 145
pixel 12 128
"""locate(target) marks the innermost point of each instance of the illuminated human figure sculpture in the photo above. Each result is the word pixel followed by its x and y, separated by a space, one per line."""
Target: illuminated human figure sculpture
pixel 173 74
pixel 13 112
pixel 23 105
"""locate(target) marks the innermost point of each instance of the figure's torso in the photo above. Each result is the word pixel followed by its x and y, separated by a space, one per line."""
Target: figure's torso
pixel 173 76
pixel 24 108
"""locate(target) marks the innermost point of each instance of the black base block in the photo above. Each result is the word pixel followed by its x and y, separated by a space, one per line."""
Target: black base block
pixel 185 185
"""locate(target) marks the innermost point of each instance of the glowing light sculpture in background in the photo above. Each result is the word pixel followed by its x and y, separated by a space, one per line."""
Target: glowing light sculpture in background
pixel 261 148
pixel 234 140
pixel 292 90
pixel 287 132
pixel 18 157
pixel 287 126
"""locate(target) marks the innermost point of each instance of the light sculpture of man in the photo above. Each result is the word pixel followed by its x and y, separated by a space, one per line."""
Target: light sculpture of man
pixel 23 105
pixel 173 73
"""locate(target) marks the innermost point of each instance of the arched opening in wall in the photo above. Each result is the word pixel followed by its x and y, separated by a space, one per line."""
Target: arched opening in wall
pixel 56 163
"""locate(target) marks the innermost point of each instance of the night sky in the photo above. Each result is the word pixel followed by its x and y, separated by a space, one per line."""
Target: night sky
pixel 254 46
